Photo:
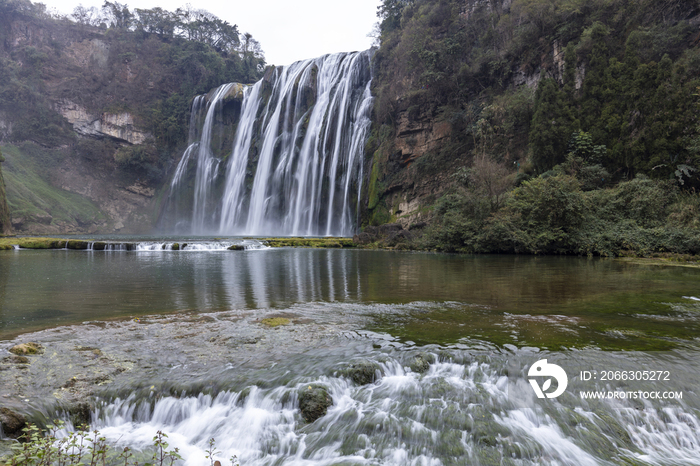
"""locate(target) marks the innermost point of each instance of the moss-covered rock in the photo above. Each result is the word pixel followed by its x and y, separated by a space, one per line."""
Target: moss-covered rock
pixel 16 359
pixel 363 372
pixel 40 243
pixel 77 244
pixel 236 247
pixel 275 321
pixel 309 242
pixel 420 363
pixel 314 402
pixel 27 348
pixel 12 422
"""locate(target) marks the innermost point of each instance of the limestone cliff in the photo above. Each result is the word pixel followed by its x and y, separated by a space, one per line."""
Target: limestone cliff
pixel 93 118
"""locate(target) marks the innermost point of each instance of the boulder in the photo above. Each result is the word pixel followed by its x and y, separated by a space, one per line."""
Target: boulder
pixel 363 372
pixel 11 422
pixel 362 238
pixel 81 413
pixel 26 348
pixel 420 363
pixel 314 402
pixel 388 235
pixel 17 359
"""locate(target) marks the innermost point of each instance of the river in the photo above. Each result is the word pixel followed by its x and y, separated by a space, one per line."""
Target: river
pixel 451 339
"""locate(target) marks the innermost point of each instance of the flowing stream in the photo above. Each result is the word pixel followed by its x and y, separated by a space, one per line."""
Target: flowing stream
pixel 466 408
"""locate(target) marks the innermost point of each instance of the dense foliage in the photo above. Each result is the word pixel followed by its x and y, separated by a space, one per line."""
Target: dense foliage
pixel 593 101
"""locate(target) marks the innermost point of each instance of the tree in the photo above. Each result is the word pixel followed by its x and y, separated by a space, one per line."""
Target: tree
pixel 491 180
pixel 86 16
pixel 202 26
pixel 157 21
pixel 389 12
pixel 551 128
pixel 118 14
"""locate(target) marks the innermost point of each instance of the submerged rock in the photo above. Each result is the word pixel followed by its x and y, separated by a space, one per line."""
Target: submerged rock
pixel 81 413
pixel 314 402
pixel 363 372
pixel 27 348
pixel 11 422
pixel 420 363
pixel 17 360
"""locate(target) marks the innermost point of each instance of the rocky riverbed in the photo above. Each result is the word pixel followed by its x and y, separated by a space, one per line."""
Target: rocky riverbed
pixel 75 364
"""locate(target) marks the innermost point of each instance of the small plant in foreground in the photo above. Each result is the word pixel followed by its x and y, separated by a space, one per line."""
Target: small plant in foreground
pixel 211 451
pixel 86 448
pixel 162 455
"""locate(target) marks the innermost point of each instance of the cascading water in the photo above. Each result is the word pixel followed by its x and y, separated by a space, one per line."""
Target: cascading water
pixel 295 162
pixel 462 409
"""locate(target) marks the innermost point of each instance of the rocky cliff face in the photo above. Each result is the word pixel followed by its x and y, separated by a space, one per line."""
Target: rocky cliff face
pixel 92 119
pixel 64 177
pixel 117 126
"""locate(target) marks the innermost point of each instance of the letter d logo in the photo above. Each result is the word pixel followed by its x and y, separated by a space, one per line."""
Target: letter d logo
pixel 542 369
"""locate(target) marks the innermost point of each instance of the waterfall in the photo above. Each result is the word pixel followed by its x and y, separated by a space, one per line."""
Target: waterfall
pixel 293 163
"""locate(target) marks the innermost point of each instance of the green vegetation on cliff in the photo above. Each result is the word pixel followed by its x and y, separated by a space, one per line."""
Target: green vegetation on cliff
pixel 573 124
pixel 33 199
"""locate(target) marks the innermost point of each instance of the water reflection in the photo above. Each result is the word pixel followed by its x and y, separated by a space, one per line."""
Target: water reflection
pixel 520 297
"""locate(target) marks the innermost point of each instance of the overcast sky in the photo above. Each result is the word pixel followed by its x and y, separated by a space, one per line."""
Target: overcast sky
pixel 288 30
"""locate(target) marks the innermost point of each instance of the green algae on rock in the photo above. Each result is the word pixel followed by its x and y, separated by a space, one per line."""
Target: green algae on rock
pixel 301 242
pixel 275 321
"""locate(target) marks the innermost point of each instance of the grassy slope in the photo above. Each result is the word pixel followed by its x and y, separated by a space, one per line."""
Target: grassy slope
pixel 30 195
pixel 5 225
